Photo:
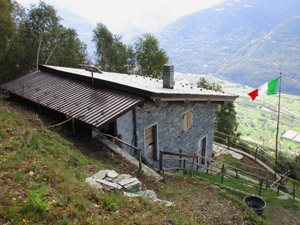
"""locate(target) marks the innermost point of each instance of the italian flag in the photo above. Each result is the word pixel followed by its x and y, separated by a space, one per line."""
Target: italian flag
pixel 268 88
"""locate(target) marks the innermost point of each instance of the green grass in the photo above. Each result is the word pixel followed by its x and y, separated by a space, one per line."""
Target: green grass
pixel 42 181
pixel 269 195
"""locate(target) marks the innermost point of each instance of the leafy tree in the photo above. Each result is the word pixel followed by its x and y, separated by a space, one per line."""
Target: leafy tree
pixel 41 20
pixel 66 48
pixel 150 58
pixel 7 26
pixel 111 52
pixel 225 120
pixel 39 35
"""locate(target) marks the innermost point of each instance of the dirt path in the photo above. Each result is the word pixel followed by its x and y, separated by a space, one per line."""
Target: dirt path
pixel 281 216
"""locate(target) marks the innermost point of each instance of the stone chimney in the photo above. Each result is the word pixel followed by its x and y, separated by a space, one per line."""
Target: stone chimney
pixel 168 76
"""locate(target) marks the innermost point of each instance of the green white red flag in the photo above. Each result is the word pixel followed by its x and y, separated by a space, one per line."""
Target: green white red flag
pixel 268 88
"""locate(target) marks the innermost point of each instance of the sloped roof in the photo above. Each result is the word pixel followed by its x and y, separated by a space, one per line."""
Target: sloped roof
pixel 93 106
pixel 150 87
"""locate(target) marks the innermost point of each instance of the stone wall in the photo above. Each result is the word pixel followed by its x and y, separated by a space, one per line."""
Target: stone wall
pixel 125 127
pixel 168 117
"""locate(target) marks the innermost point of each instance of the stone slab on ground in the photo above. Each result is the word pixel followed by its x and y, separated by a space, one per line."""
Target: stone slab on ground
pixel 110 180
pixel 108 184
pixel 122 177
pixel 92 182
pixel 149 196
pixel 100 175
pixel 112 174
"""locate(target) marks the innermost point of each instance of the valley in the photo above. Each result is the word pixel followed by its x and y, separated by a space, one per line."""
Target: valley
pixel 258 119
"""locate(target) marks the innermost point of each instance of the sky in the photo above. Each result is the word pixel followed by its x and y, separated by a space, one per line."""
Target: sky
pixel 123 15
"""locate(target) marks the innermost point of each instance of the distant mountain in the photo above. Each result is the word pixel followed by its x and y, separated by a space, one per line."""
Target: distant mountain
pixel 244 41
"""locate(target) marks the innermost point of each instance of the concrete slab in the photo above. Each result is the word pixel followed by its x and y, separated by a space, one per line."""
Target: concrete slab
pixel 100 175
pixel 110 185
pixel 122 177
pixel 92 182
pixel 111 173
pixel 127 181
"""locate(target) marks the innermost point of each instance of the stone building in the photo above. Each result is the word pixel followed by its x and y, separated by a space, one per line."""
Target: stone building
pixel 148 113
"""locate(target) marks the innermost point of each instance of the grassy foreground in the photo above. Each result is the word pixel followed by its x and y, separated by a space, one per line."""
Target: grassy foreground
pixel 42 182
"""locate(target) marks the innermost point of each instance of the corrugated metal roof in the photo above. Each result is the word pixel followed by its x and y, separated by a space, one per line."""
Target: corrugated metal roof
pixel 93 106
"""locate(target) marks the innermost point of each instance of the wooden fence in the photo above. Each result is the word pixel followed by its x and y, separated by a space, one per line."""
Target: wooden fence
pixel 139 150
pixel 212 165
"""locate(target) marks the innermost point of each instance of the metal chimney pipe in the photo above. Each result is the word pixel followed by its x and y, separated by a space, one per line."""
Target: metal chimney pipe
pixel 168 76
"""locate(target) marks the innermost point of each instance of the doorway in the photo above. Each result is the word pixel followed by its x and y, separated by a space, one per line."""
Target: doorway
pixel 151 142
pixel 202 150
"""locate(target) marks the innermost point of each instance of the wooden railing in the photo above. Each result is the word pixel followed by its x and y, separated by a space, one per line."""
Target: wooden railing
pixel 139 150
pixel 247 146
pixel 263 182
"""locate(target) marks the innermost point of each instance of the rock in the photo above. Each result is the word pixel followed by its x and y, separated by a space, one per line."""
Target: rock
pixel 92 182
pixel 127 181
pixel 109 185
pixel 122 177
pixel 132 195
pixel 111 173
pixel 100 175
pixel 167 203
pixel 131 184
pixel 127 194
pixel 30 173
pixel 147 193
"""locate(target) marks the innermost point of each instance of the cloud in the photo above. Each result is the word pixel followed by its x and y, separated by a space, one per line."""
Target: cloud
pixel 219 9
pixel 117 15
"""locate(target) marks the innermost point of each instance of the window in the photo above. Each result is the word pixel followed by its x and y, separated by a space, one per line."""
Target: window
pixel 187 121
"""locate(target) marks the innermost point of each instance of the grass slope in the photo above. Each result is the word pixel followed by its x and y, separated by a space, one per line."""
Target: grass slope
pixel 42 182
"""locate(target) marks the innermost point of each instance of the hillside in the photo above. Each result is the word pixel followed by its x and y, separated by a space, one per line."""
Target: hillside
pixel 42 181
pixel 247 42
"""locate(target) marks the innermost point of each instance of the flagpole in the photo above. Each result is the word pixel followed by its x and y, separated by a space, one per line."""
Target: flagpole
pixel 276 149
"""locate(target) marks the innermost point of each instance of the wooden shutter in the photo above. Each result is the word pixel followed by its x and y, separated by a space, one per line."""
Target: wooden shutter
pixel 149 136
pixel 187 121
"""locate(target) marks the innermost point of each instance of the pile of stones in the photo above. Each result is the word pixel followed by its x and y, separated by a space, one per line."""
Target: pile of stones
pixel 110 180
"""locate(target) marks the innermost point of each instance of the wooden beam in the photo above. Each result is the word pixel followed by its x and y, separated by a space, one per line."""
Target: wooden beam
pixel 149 102
pixel 178 103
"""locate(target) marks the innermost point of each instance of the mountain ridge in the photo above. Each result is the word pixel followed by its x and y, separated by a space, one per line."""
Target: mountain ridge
pixel 230 41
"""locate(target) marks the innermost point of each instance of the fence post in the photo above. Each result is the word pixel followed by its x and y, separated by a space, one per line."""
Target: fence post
pixel 237 167
pixel 161 153
pixel 140 159
pixel 228 142
pixel 279 185
pixel 183 163
pixel 259 172
pixel 222 177
pixel 197 161
pixel 192 167
pixel 180 151
pixel 207 166
pixel 256 153
pixel 260 185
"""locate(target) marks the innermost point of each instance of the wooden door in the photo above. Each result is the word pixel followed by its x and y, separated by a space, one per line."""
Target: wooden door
pixel 202 150
pixel 150 142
